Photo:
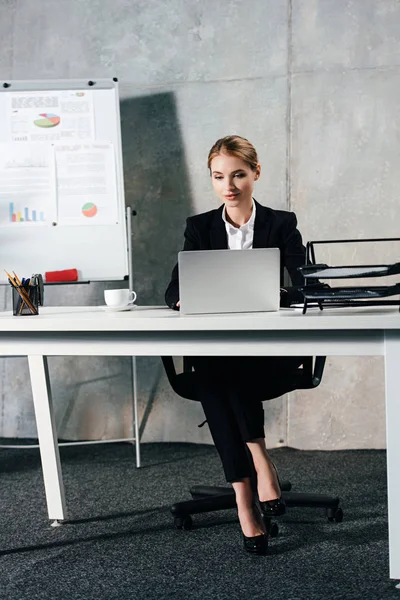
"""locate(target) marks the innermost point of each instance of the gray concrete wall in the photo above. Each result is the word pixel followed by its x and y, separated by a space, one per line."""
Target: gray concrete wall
pixel 314 84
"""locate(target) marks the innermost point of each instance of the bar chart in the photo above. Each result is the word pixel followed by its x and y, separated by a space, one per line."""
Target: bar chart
pixel 21 216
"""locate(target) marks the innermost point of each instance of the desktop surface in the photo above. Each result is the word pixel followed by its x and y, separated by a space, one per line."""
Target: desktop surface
pixel 160 318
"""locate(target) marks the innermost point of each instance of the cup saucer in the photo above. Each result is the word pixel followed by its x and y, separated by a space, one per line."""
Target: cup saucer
pixel 119 308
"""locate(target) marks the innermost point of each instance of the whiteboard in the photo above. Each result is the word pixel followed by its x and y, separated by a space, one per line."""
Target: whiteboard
pixel 98 252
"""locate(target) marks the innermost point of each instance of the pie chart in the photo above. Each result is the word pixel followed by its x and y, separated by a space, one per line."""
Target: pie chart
pixel 89 209
pixel 47 120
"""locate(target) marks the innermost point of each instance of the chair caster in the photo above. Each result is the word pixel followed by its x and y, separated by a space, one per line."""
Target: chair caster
pixel 185 523
pixel 271 528
pixel 274 531
pixel 335 515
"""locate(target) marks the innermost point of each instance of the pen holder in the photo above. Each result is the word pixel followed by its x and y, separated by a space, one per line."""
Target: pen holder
pixel 25 300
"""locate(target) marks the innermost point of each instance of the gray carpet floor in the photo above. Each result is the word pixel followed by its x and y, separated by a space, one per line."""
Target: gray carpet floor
pixel 119 541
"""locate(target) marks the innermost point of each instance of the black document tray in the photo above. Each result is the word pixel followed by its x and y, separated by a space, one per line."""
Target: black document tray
pixel 352 293
pixel 341 296
pixel 322 271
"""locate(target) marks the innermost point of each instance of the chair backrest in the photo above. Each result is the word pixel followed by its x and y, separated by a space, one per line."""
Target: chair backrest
pixel 307 377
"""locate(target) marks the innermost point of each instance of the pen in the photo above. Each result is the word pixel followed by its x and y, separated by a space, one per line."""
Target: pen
pixel 16 283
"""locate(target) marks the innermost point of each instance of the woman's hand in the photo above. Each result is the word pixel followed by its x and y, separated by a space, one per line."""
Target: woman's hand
pixel 178 304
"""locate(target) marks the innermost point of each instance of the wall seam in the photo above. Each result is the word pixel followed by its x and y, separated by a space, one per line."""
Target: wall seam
pixel 289 108
pixel 339 70
pixel 13 13
pixel 289 154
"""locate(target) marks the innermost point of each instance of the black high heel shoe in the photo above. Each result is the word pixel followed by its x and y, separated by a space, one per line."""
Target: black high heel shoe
pixel 275 507
pixel 257 544
pixel 272 508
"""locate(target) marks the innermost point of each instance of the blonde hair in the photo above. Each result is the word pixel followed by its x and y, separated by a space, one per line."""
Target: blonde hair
pixel 234 145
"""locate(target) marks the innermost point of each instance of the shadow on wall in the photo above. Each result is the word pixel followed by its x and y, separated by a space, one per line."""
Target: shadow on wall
pixel 157 186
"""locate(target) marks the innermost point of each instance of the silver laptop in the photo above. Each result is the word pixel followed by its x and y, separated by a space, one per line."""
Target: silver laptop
pixel 227 281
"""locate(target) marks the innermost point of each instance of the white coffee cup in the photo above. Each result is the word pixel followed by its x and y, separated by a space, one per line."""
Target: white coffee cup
pixel 119 298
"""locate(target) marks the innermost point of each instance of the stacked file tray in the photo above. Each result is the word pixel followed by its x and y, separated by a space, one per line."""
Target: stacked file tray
pixel 316 292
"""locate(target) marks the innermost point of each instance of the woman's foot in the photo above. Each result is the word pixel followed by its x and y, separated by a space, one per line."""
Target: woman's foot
pixel 272 508
pixel 268 487
pixel 256 545
pixel 271 503
pixel 255 537
pixel 249 518
pixel 250 522
pixel 267 481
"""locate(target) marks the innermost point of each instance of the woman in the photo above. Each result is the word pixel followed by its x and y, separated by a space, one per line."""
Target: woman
pixel 231 388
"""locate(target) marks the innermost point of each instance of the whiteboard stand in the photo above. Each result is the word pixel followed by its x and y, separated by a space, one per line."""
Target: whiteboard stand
pixel 135 413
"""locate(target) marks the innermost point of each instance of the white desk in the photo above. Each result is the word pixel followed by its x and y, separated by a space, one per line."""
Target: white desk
pixel 156 331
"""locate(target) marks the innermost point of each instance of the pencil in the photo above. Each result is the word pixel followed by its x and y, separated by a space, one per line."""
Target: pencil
pixel 23 301
pixel 17 279
pixel 21 292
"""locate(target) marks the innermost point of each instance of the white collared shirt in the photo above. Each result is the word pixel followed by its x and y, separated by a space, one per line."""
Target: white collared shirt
pixel 240 238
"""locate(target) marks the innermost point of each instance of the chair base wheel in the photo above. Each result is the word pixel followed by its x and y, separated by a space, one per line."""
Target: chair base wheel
pixel 185 523
pixel 271 528
pixel 335 515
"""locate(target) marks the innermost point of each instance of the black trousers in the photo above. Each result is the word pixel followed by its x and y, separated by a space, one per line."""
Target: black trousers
pixel 231 390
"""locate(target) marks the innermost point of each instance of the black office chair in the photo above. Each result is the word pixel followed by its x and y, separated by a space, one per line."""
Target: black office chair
pixel 211 498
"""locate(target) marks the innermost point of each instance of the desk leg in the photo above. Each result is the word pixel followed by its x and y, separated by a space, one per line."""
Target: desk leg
pixel 47 435
pixel 136 431
pixel 392 369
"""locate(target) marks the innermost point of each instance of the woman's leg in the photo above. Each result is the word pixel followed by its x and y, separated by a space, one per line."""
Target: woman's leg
pixel 267 480
pixel 228 440
pixel 252 376
pixel 221 419
pixel 249 417
pixel 230 390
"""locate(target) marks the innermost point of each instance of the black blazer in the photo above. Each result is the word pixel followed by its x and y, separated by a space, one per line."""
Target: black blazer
pixel 272 229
